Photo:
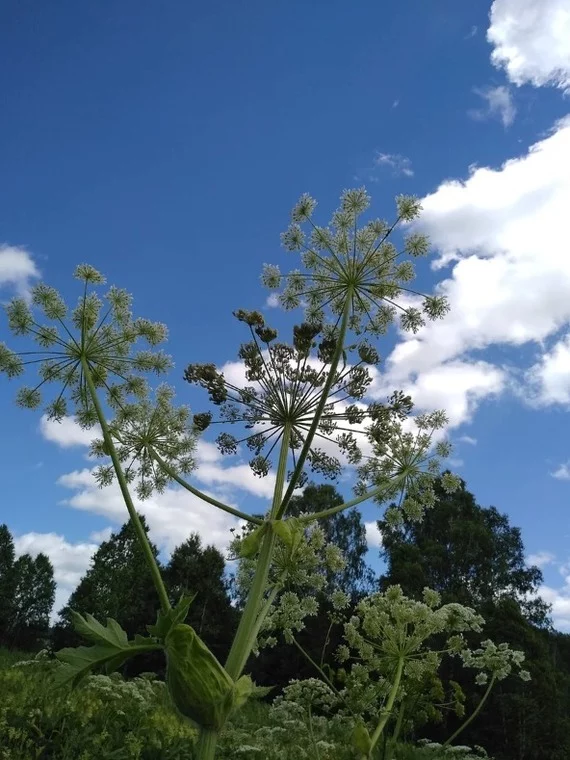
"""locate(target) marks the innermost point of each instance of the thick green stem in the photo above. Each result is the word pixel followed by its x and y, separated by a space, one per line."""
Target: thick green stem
pixel 248 628
pixel 389 706
pixel 399 721
pixel 207 743
pixel 473 715
pixel 319 410
pixel 139 530
pixel 312 735
pixel 200 494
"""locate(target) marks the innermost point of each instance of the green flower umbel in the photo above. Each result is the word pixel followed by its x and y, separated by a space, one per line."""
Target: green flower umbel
pixel 143 430
pixel 98 338
pixel 344 260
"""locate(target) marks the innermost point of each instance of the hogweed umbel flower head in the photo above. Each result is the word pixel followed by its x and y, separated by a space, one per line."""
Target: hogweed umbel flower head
pixel 141 431
pixel 285 390
pixel 346 261
pixel 98 335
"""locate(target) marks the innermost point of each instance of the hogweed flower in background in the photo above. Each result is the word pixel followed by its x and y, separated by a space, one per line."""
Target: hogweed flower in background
pixel 298 573
pixel 143 430
pixel 387 637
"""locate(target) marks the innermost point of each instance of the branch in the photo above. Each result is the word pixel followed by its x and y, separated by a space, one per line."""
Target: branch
pixel 352 503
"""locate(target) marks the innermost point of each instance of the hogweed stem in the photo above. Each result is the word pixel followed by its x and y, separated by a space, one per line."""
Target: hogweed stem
pixel 139 530
pixel 319 410
pixel 244 640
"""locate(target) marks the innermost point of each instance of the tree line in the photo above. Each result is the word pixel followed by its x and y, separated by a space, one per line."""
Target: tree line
pixel 469 554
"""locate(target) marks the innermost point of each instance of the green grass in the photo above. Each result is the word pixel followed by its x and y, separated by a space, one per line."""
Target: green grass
pixel 106 718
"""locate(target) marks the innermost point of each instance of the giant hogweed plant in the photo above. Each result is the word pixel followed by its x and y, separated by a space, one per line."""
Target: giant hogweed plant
pixel 389 674
pixel 302 407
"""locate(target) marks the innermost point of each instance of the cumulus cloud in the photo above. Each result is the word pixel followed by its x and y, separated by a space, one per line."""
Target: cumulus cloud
pixel 503 230
pixel 17 269
pixel 373 535
pixel 70 560
pixel 548 381
pixel 272 301
pixel 499 104
pixel 530 40
pixel 559 598
pixel 562 472
pixel 540 559
pixel 171 516
pixel 67 433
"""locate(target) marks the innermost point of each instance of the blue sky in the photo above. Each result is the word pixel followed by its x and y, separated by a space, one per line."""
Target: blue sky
pixel 166 143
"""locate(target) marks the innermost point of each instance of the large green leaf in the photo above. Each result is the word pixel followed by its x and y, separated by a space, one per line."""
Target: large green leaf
pixel 111 649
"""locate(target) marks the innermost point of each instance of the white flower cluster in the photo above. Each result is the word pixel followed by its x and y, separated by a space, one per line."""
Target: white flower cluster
pixel 298 573
pixel 497 661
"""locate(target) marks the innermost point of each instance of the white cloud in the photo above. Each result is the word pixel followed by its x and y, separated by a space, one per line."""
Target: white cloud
pixel 548 381
pixel 531 40
pixel 468 439
pixel 472 32
pixel 540 559
pixel 400 165
pixel 67 433
pixel 499 105
pixel 69 560
pixel 171 516
pixel 455 386
pixel 99 536
pixel 560 601
pixel 504 231
pixel 563 472
pixel 373 535
pixel 272 301
pixel 17 268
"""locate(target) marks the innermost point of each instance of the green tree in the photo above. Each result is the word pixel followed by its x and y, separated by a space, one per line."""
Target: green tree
pixel 7 581
pixel 200 570
pixel 346 530
pixel 34 595
pixel 470 554
pixel 118 584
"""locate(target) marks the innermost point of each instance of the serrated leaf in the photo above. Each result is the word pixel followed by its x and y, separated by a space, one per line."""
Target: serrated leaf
pixel 112 648
pixel 94 631
pixel 165 622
